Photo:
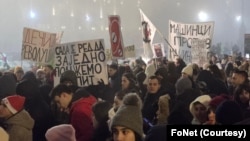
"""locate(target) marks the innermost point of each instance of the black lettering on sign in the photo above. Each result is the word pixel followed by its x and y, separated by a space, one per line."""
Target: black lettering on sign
pixel 85 80
pixel 208 43
pixel 35 53
pixel 87 47
pixel 186 55
pixel 88 69
pixel 191 29
pixel 101 56
pixel 183 41
pixel 99 46
pixel 38 38
pixel 59 71
pixel 84 69
pixel 66 60
pixel 172 53
pixel 85 58
pixel 59 60
pixel 65 49
pixel 92 57
pixel 84 47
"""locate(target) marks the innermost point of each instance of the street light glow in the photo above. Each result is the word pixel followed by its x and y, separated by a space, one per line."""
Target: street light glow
pixel 203 16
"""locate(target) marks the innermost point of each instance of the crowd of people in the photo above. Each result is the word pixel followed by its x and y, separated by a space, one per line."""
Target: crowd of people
pixel 137 104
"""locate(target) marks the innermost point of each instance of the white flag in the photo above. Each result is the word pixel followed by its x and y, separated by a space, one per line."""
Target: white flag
pixel 148 32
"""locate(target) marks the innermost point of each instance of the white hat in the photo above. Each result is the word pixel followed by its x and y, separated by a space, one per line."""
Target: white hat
pixel 188 70
pixel 203 99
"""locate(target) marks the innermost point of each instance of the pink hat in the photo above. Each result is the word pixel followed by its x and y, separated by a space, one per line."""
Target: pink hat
pixel 63 132
pixel 14 103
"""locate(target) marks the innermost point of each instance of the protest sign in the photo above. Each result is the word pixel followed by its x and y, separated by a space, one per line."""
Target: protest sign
pixel 158 50
pixel 190 41
pixel 129 51
pixel 116 40
pixel 86 58
pixel 36 45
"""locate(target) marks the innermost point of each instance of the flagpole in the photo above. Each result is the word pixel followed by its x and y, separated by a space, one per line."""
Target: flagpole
pixel 144 16
pixel 167 42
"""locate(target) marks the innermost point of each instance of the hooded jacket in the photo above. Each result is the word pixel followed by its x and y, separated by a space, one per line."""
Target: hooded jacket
pixel 81 117
pixel 19 126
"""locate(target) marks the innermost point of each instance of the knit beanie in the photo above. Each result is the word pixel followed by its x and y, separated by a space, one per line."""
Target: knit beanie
pixel 203 99
pixel 228 113
pixel 69 75
pixel 114 66
pixel 182 84
pixel 4 135
pixel 14 103
pixel 63 132
pixel 188 70
pixel 129 114
pixel 217 100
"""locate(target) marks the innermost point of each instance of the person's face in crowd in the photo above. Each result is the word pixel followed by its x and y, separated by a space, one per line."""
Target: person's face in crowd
pixel 121 133
pixel 47 70
pixel 19 75
pixel 125 82
pixel 4 111
pixel 34 69
pixel 237 79
pixel 40 75
pixel 200 112
pixel 211 117
pixel 63 100
pixel 153 85
pixel 111 71
pixel 213 58
pixel 184 75
pixel 117 103
pixel 244 96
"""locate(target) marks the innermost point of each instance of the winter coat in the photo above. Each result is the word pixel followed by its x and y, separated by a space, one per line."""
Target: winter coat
pixel 81 117
pixel 7 85
pixel 19 126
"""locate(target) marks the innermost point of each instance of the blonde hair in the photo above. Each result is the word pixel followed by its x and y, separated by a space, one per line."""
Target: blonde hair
pixel 18 69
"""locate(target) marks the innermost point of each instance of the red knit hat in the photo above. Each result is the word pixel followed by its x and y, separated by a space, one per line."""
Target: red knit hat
pixel 215 102
pixel 14 103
